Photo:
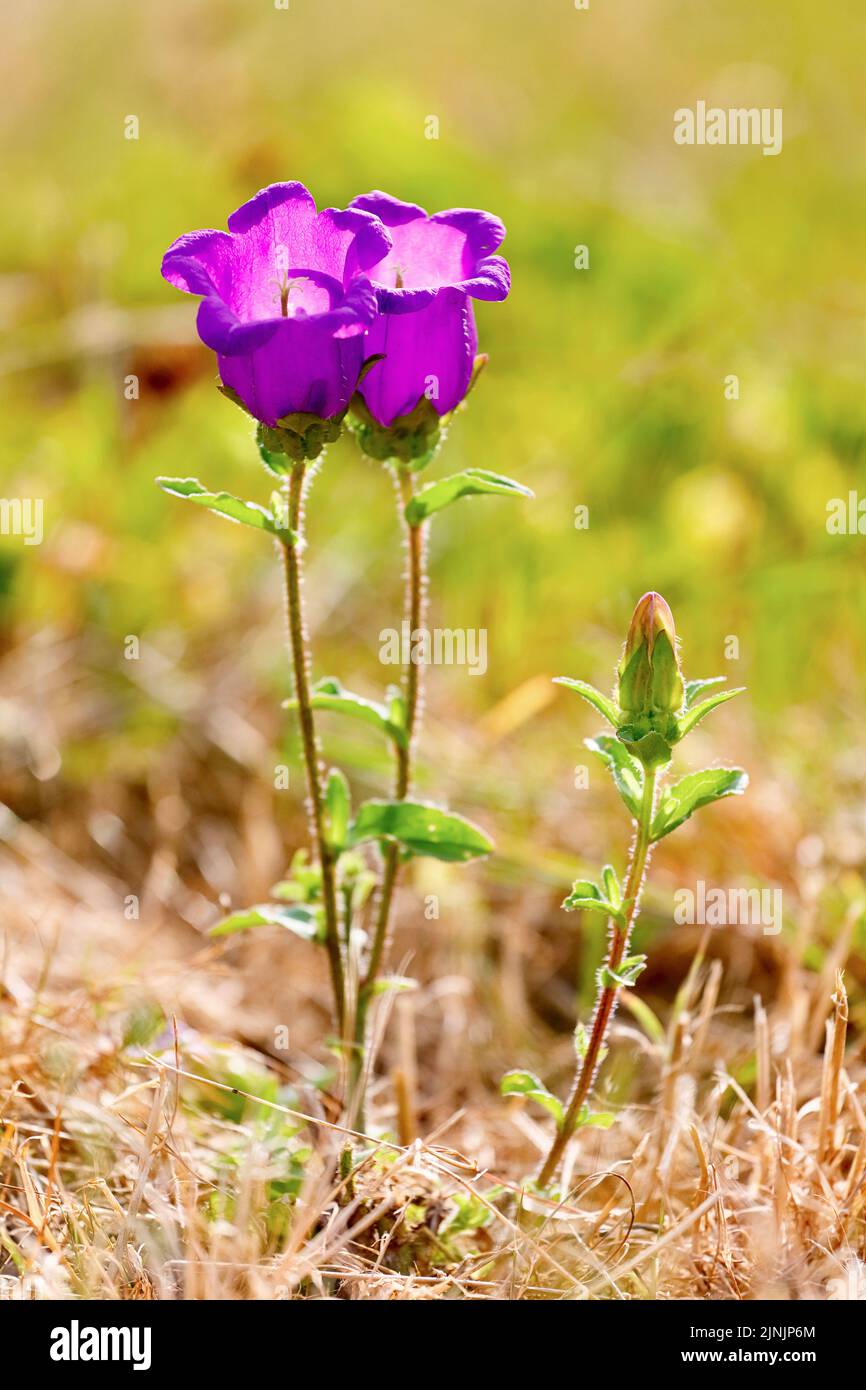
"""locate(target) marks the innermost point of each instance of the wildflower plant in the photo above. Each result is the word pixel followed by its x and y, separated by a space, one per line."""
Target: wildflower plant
pixel 651 710
pixel 361 316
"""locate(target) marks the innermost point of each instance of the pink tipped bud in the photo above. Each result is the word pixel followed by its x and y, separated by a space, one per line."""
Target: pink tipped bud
pixel 650 679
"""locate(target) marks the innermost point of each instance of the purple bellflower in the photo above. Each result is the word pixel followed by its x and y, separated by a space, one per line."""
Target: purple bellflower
pixel 425 283
pixel 285 302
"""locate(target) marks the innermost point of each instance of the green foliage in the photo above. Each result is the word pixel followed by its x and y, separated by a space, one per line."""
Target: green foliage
pixel 302 920
pixel 338 809
pixel 603 703
pixel 421 828
pixel 472 481
pixel 624 976
pixel 695 713
pixel 525 1083
pixel 329 694
pixel 223 503
pixel 693 791
pixel 586 896
pixel 626 771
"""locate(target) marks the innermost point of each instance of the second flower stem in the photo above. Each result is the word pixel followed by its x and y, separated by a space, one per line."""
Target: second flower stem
pixel 620 933
pixel 292 546
pixel 413 615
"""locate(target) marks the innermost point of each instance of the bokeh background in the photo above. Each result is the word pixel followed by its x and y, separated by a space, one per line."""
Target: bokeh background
pixel 605 388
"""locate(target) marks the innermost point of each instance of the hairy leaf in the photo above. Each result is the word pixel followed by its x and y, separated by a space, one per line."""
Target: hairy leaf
pixel 693 791
pixel 472 482
pixel 302 920
pixel 524 1083
pixel 696 713
pixel 329 694
pixel 626 771
pixel 223 503
pixel 605 706
pixel 421 828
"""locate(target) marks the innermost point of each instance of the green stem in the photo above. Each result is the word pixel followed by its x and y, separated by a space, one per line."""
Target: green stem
pixel 413 614
pixel 619 934
pixel 292 546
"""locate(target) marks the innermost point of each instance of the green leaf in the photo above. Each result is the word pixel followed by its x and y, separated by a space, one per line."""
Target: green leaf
pixel 329 694
pixel 611 885
pixel 223 503
pixel 602 1119
pixel 586 896
pixel 696 688
pixel 421 828
pixel 524 1083
pixel 695 714
pixel 625 975
pixel 302 920
pixel 605 706
pixel 697 789
pixel 626 771
pixel 472 482
pixel 338 808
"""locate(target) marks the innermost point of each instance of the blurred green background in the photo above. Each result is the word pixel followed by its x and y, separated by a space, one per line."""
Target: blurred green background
pixel 605 388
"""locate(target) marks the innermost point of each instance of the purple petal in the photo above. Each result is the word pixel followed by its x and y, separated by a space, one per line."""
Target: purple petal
pixel 427 352
pixel 300 368
pixel 267 201
pixel 389 210
pixel 492 279
pixel 199 262
pixel 482 230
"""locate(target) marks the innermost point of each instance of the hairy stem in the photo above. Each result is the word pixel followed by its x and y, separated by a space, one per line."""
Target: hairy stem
pixel 292 545
pixel 415 595
pixel 619 934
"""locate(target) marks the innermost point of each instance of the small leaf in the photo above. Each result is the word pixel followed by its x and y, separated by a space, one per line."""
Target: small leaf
pixel 626 771
pixel 524 1083
pixel 602 1119
pixel 329 694
pixel 698 712
pixel 586 896
pixel 697 789
pixel 224 503
pixel 302 920
pixel 611 885
pixel 472 482
pixel 605 706
pixel 696 688
pixel 421 828
pixel 625 975
pixel 337 808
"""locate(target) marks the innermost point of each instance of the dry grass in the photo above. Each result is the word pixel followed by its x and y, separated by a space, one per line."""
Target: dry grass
pixel 143 1158
pixel 160 1139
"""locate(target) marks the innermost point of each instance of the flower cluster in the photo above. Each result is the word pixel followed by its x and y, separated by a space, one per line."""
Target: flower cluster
pixel 307 310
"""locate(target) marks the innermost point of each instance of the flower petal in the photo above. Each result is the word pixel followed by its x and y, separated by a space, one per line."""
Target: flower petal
pixel 427 352
pixel 301 367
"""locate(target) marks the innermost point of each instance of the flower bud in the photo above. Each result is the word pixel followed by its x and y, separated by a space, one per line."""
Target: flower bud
pixel 650 679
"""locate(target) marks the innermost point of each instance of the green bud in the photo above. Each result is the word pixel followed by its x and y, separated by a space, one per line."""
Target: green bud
pixel 650 678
